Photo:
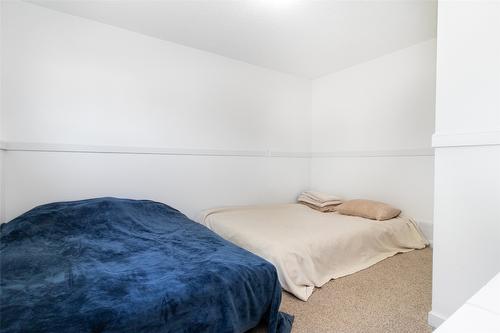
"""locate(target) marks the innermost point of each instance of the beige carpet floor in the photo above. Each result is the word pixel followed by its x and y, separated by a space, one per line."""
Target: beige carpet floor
pixel 393 296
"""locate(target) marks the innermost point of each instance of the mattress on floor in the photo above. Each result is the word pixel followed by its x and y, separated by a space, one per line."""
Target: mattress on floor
pixel 308 247
pixel 118 265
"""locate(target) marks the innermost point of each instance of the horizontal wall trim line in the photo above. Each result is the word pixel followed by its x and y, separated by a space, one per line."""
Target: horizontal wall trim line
pixel 376 153
pixel 446 140
pixel 105 149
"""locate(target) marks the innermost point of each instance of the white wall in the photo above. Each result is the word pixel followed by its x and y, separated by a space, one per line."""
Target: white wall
pixel 2 210
pixel 371 131
pixel 68 79
pixel 467 166
pixel 71 81
pixel 94 110
pixel 189 183
pixel 2 205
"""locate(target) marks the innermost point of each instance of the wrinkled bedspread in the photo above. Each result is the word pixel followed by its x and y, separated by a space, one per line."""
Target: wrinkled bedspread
pixel 309 248
pixel 119 265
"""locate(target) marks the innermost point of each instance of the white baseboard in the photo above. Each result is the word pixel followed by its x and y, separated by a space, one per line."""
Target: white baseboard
pixel 106 149
pixel 435 319
pixel 440 140
pixel 375 153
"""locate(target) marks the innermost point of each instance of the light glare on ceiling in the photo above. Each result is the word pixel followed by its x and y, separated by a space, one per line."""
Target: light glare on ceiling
pixel 278 4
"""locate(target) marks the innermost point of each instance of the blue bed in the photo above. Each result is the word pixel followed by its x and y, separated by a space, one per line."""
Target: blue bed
pixel 117 265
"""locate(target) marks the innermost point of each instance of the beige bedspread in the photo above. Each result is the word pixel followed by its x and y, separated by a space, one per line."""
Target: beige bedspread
pixel 309 248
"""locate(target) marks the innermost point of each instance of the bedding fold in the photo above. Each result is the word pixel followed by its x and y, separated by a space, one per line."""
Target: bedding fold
pixel 325 209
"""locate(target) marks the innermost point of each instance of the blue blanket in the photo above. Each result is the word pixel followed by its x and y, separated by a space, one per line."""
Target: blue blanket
pixel 117 265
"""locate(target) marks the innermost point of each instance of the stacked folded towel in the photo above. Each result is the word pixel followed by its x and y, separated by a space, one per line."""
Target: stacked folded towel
pixel 319 201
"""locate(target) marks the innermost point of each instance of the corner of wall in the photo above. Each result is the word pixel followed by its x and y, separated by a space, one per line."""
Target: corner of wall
pixel 426 227
pixel 310 125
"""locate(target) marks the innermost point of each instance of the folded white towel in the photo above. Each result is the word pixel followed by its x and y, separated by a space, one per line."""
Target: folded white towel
pixel 319 204
pixel 319 199
pixel 320 196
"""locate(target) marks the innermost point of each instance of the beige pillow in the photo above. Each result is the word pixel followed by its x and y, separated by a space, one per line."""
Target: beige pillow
pixel 369 209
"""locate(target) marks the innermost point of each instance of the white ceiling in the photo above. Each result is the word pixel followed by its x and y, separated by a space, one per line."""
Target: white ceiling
pixel 303 37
